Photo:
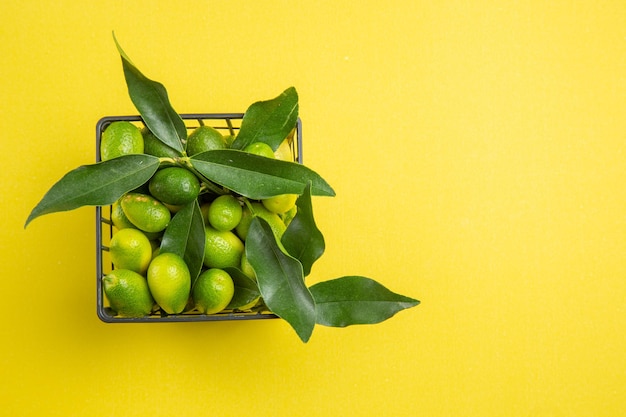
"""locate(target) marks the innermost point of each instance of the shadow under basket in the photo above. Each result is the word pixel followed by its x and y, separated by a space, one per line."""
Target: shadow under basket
pixel 227 124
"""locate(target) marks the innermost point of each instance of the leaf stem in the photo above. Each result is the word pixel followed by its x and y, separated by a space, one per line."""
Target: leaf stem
pixel 249 205
pixel 167 160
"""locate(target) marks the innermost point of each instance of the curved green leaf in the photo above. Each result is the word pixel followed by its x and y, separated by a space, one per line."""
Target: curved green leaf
pixel 280 279
pixel 98 184
pixel 258 177
pixel 269 121
pixel 246 290
pixel 302 239
pixel 151 100
pixel 352 300
pixel 185 237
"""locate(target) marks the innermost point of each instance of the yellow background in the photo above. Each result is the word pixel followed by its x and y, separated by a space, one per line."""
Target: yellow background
pixel 477 152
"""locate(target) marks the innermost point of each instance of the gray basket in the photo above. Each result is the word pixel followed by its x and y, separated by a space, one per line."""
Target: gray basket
pixel 225 122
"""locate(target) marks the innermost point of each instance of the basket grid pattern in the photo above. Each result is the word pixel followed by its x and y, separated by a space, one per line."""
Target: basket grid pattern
pixel 227 123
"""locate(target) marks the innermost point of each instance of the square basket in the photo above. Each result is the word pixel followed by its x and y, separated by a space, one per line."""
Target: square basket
pixel 228 123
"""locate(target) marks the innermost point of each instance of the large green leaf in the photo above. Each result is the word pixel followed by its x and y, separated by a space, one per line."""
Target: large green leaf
pixel 280 279
pixel 185 237
pixel 151 100
pixel 302 239
pixel 356 300
pixel 98 184
pixel 246 290
pixel 258 177
pixel 269 121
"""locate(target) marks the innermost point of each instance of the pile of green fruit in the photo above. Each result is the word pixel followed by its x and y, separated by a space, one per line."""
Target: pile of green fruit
pixel 206 222
pixel 141 218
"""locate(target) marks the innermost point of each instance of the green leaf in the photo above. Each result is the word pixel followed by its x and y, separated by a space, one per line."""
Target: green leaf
pixel 246 290
pixel 98 184
pixel 302 239
pixel 258 177
pixel 184 236
pixel 356 300
pixel 151 100
pixel 280 279
pixel 269 121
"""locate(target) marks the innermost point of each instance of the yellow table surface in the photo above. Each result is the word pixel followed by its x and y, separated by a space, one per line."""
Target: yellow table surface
pixel 477 151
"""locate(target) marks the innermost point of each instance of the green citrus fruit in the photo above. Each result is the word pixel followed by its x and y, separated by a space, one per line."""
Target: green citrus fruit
pixel 204 210
pixel 155 147
pixel 120 138
pixel 273 219
pixel 130 249
pixel 280 204
pixel 120 221
pixel 128 293
pixel 204 138
pixel 283 152
pixel 172 208
pixel 249 306
pixel 224 212
pixel 246 268
pixel 174 185
pixel 260 148
pixel 222 248
pixel 244 224
pixel 229 139
pixel 212 291
pixel 145 212
pixel 289 215
pixel 169 281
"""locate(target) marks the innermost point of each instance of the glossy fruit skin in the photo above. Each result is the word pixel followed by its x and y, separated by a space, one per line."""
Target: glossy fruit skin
pixel 155 147
pixel 225 212
pixel 261 149
pixel 128 293
pixel 120 138
pixel 169 281
pixel 249 306
pixel 204 210
pixel 246 268
pixel 283 152
pixel 204 138
pixel 222 249
pixel 145 212
pixel 273 219
pixel 174 185
pixel 212 291
pixel 120 221
pixel 280 204
pixel 229 139
pixel 130 249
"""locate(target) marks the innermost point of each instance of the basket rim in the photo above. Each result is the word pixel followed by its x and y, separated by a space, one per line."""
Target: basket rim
pixel 102 311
